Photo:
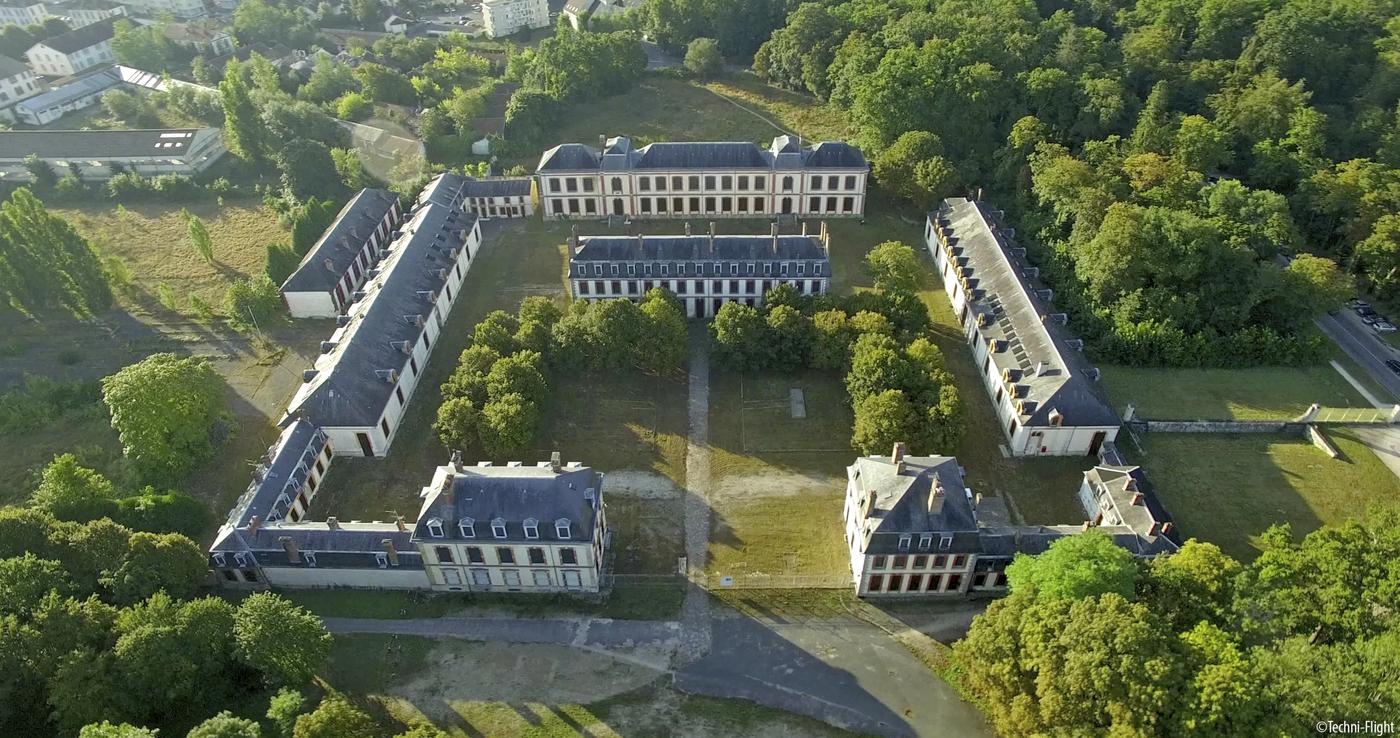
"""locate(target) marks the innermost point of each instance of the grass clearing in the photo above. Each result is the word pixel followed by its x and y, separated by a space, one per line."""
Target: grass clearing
pixel 1229 488
pixel 1264 393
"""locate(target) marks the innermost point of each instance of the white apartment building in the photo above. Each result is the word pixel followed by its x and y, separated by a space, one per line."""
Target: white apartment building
pixel 23 15
pixel 17 82
pixel 183 9
pixel 704 272
pixel 687 180
pixel 1047 398
pixel 336 266
pixel 149 152
pixel 70 53
pixel 500 197
pixel 513 528
pixel 505 17
pixel 361 384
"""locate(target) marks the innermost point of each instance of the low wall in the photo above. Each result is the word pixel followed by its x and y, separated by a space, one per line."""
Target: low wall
pixel 1221 426
pixel 1320 440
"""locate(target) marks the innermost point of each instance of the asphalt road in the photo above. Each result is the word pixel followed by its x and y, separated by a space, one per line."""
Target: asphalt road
pixel 1364 347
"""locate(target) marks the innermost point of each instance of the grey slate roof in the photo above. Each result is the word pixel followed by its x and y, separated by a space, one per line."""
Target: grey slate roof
pixel 282 470
pixel 346 391
pixel 325 262
pixel 513 494
pixel 902 501
pixel 11 67
pixel 158 143
pixel 785 153
pixel 697 248
pixel 1005 294
pixel 497 187
pixel 81 38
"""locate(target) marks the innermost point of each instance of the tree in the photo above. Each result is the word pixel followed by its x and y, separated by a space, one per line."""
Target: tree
pixel 335 717
pixel 497 331
pixel 1075 567
pixel 144 47
pixel 106 729
pixel 270 22
pixel 69 491
pixel 894 266
pixel 329 80
pixel 308 171
pixel 792 336
pixel 571 65
pixel 283 641
pixel 508 424
pixel 702 58
pixel 529 115
pixel 199 239
pixel 252 303
pixel 458 422
pixel 881 420
pixel 354 106
pixel 1194 585
pixel 244 131
pixel 281 262
pixel 45 264
pixel 225 725
pixel 283 709
pixel 165 409
pixel 518 374
pixel 368 13
pixel 740 336
pixel 914 168
pixel 832 339
pixel 25 580
pixel 876 366
pixel 382 84
pixel 664 347
pixel 157 562
pixel 351 169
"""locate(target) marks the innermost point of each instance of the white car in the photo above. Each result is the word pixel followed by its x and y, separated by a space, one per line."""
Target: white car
pixel 1383 327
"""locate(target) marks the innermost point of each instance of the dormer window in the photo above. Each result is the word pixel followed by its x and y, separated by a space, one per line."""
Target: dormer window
pixel 945 542
pixel 467 527
pixel 435 527
pixel 219 560
pixel 498 528
pixel 309 557
pixel 925 541
pixel 562 529
pixel 904 541
pixel 532 528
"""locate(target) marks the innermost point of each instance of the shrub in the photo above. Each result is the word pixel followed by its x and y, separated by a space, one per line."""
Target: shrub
pixel 252 302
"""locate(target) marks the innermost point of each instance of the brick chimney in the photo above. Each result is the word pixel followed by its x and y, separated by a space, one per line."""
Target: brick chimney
pixel 804 228
pixel 333 523
pixel 556 463
pixel 457 462
pixel 448 494
pixel 393 553
pixel 573 238
pixel 602 141
pixel 773 231
pixel 897 456
pixel 824 234
pixel 687 229
pixel 936 497
pixel 398 523
pixel 253 524
pixel 290 546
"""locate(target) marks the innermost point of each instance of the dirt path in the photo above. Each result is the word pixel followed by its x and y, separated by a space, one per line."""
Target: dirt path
pixel 695 612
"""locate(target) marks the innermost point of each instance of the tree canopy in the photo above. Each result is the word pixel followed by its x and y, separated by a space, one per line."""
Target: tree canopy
pixel 166 409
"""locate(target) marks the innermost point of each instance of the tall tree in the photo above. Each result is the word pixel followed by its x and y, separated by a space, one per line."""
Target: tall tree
pixel 244 131
pixel 45 264
pixel 283 641
pixel 165 409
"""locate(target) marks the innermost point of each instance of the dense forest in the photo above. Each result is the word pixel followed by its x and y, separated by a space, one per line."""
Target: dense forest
pixel 1165 160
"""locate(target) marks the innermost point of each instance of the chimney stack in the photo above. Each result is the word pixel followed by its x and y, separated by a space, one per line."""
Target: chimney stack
pixel 389 549
pixel 398 523
pixel 712 235
pixel 290 546
pixel 333 523
pixel 602 142
pixel 687 229
pixel 556 463
pixel 457 462
pixel 253 524
pixel 824 234
pixel 897 455
pixel 573 238
pixel 804 228
pixel 936 497
pixel 447 495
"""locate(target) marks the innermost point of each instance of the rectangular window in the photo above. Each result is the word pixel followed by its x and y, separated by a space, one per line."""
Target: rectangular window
pixel 694 182
pixel 896 583
pixel 475 556
pixel 481 578
pixel 851 182
pixel 940 561
pixel 384 426
pixel 541 577
pixel 877 583
pixel 587 185
pixel 959 561
pixel 921 561
pixel 505 555
pixel 694 204
pixel 916 583
pixel 953 584
pixel 398 392
pixel 644 185
pixel 814 204
pixel 945 542
pixel 571 184
pixel 709 204
pixel 444 554
pixel 710 182
pixel 760 182
pixel 743 182
pixel 677 182
pixel 498 528
pixel 901 562
pixel 568 556
pixel 553 185
pixel 511 577
pixel 660 184
pixel 878 563
pixel 536 555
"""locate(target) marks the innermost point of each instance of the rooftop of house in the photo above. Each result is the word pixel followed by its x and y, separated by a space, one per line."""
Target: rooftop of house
pixel 353 379
pixel 902 494
pixel 80 38
pixel 497 187
pixel 699 248
pixel 1031 540
pixel 11 67
pixel 1030 345
pixel 92 82
pixel 100 145
pixel 279 475
pixel 1125 497
pixel 514 495
pixel 325 263
pixel 618 154
pixel 201 31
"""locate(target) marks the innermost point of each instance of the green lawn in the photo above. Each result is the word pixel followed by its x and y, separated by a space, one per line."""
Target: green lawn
pixel 1227 489
pixel 405 681
pixel 1267 393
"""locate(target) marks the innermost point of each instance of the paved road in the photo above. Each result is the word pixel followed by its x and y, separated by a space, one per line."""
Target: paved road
pixel 695 612
pixel 589 632
pixel 1364 347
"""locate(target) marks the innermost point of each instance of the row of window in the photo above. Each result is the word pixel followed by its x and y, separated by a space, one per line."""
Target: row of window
pixel 621 288
pixel 711 182
pixel 467 528
pixel 481 578
pixel 918 562
pixel 697 269
pixel 506 555
pixel 711 205
pixel 895 583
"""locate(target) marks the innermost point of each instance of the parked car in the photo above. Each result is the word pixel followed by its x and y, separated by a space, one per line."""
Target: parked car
pixel 1383 326
pixel 1357 303
pixel 1364 310
pixel 1393 365
pixel 1371 319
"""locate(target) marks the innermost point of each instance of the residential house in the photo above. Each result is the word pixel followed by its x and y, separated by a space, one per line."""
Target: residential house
pixel 86 90
pixel 23 15
pixel 505 17
pixel 703 271
pixel 578 11
pixel 82 13
pixel 395 24
pixel 335 267
pixel 914 529
pixel 513 528
pixel 72 52
pixel 17 82
pixel 202 37
pixel 685 180
pixel 1047 398
pixel 499 197
pixel 361 384
pixel 182 9
pixel 97 155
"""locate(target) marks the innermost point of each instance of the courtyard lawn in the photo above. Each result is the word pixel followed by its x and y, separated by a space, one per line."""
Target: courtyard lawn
pixel 1227 489
pixel 152 240
pixel 543 691
pixel 1266 393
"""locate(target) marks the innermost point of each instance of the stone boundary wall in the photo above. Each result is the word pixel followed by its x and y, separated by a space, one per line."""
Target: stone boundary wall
pixel 1220 426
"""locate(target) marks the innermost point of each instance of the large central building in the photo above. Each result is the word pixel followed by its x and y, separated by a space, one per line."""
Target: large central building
pixel 683 180
pixel 703 271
